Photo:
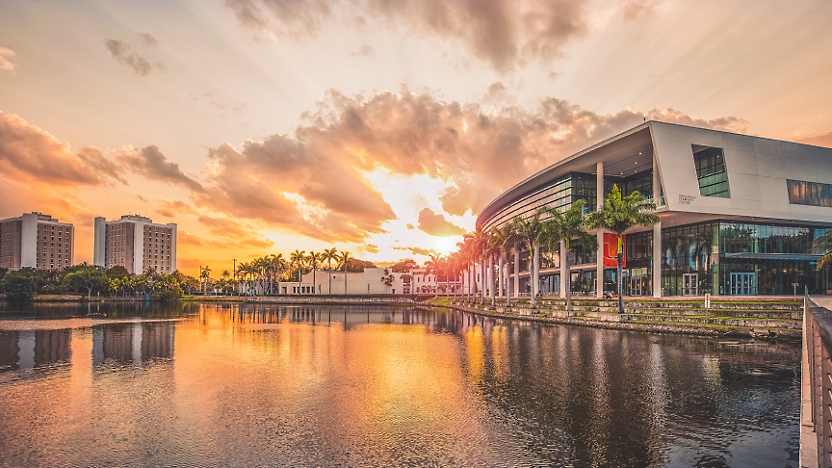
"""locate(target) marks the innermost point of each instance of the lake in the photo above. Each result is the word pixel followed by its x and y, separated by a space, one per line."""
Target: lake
pixel 270 385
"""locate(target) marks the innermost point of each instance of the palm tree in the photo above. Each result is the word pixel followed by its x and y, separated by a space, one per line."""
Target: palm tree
pixel 313 259
pixel 277 265
pixel 297 259
pixel 467 252
pixel 345 259
pixel 433 266
pixel 529 231
pixel 509 242
pixel 329 255
pixel 481 253
pixel 619 214
pixel 823 245
pixel 566 227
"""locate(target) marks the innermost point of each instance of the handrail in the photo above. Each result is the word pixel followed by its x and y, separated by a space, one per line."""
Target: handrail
pixel 816 386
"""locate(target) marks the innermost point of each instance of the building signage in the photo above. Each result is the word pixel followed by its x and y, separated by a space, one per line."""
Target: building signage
pixel 686 199
pixel 611 249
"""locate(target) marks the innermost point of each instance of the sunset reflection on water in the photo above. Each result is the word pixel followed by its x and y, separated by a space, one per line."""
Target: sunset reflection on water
pixel 325 385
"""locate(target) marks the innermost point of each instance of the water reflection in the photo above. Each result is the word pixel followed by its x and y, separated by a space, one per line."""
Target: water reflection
pixel 375 386
pixel 132 343
pixel 27 349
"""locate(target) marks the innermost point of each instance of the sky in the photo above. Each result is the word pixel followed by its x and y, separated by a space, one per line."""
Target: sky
pixel 378 127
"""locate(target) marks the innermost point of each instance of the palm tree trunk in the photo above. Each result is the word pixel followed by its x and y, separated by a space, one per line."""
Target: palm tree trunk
pixel 493 289
pixel 314 280
pixel 620 258
pixel 482 281
pixel 508 285
pixel 568 282
pixel 531 274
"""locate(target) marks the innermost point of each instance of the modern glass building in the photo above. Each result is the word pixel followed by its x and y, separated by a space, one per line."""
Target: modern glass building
pixel 739 215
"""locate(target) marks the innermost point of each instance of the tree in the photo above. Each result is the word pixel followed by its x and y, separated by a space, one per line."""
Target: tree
pixel 823 246
pixel 509 241
pixel 619 214
pixel 297 259
pixel 329 255
pixel 404 266
pixel 345 259
pixel 566 227
pixel 117 271
pixel 21 285
pixel 89 279
pixel 3 272
pixel 529 231
pixel 313 259
pixel 387 279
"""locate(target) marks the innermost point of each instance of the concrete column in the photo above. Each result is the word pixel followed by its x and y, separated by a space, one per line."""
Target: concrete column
pixel 99 242
pixel 536 277
pixel 516 272
pixel 599 255
pixel 501 276
pixel 657 259
pixel 657 233
pixel 29 241
pixel 172 246
pixel 562 269
pixel 138 248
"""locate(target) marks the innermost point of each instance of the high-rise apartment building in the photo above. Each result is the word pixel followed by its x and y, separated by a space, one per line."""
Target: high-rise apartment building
pixel 136 243
pixel 36 240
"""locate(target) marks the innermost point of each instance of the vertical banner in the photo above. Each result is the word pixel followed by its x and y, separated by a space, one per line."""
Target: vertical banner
pixel 611 249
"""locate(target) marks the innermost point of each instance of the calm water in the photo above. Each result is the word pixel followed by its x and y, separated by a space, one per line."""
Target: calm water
pixel 351 386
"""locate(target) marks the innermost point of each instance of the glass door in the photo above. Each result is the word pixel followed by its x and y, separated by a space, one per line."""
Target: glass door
pixel 635 286
pixel 690 284
pixel 742 284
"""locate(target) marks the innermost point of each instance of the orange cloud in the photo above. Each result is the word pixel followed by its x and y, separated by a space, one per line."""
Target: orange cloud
pixel 436 224
pixel 502 33
pixel 819 140
pixel 122 52
pixel 152 164
pixel 5 64
pixel 30 153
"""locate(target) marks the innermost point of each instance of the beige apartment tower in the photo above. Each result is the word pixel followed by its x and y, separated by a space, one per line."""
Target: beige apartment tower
pixel 136 243
pixel 36 240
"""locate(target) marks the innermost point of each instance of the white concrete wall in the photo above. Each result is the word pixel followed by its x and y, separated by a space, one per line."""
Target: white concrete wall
pixel 757 172
pixel 173 245
pixel 29 241
pixel 99 247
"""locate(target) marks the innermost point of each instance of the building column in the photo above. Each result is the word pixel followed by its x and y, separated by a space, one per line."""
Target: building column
pixel 657 232
pixel 516 272
pixel 536 277
pixel 99 249
pixel 599 255
pixel 501 275
pixel 562 259
pixel 657 259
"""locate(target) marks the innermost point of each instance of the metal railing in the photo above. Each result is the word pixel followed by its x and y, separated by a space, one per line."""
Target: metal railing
pixel 816 387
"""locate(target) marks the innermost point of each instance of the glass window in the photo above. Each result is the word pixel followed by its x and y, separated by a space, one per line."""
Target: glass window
pixel 809 193
pixel 710 170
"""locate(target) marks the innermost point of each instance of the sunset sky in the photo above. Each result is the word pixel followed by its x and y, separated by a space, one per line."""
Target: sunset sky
pixel 374 126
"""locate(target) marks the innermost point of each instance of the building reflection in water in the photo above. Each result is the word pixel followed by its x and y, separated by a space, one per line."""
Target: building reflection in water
pixel 29 349
pixel 132 343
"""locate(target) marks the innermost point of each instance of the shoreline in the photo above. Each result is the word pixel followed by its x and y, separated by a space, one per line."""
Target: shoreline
pixel 759 318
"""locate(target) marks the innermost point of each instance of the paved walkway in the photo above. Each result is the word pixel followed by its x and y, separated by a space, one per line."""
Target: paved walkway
pixel 823 301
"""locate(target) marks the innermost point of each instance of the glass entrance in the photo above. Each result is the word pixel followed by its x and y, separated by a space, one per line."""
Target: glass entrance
pixel 742 284
pixel 635 286
pixel 690 284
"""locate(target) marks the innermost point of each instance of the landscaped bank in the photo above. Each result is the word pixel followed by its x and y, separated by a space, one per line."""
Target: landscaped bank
pixel 760 318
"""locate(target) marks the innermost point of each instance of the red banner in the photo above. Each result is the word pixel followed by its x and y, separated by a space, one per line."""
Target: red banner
pixel 611 249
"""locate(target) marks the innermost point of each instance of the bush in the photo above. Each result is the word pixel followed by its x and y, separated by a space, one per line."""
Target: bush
pixel 21 284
